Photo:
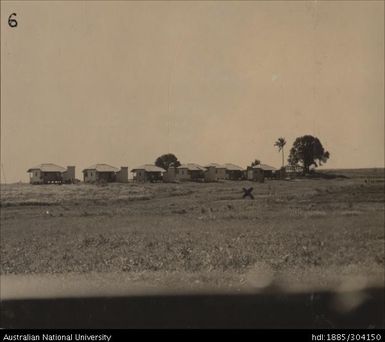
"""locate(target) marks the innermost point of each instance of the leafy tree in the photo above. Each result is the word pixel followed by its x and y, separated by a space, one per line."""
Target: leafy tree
pixel 255 162
pixel 167 160
pixel 308 151
pixel 280 144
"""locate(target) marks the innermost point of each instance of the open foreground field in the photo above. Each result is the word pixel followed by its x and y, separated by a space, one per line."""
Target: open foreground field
pixel 302 232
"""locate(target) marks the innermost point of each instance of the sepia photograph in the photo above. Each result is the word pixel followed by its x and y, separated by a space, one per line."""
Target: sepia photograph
pixel 194 165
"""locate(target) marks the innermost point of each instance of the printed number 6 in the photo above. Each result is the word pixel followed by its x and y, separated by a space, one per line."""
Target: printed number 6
pixel 12 22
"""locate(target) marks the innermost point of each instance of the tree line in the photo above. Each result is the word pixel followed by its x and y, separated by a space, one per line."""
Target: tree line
pixel 307 151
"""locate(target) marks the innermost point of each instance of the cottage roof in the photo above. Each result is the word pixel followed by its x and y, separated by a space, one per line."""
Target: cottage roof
pixel 264 167
pixel 102 168
pixel 149 168
pixel 233 167
pixel 218 166
pixel 192 167
pixel 47 167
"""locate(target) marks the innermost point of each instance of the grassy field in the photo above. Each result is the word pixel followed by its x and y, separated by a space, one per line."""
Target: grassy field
pixel 303 230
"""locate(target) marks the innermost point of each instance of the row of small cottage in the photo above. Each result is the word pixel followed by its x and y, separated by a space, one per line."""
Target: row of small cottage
pixel 51 173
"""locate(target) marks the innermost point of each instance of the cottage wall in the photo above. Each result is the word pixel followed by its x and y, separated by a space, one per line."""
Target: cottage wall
pixel 197 175
pixel 69 174
pixel 250 174
pixel 259 175
pixel 108 177
pixel 52 177
pixel 89 176
pixel 122 175
pixel 234 174
pixel 154 176
pixel 183 174
pixel 170 175
pixel 210 174
pixel 221 173
pixel 36 177
pixel 140 175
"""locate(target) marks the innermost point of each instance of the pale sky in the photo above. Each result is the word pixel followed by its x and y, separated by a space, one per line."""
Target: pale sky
pixel 124 82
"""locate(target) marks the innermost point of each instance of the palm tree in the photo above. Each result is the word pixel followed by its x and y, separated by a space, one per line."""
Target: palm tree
pixel 280 144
